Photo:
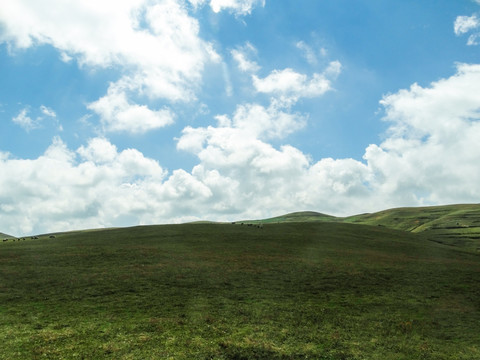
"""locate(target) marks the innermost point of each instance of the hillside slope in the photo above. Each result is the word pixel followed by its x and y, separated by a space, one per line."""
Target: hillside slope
pixel 320 290
pixel 457 225
pixel 5 236
pixel 300 216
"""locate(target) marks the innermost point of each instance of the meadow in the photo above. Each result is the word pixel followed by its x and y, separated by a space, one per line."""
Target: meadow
pixel 290 290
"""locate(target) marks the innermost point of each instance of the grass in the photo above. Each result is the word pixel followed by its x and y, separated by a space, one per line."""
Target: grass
pixel 312 290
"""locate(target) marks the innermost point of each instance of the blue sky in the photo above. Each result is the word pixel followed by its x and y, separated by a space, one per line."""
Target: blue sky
pixel 152 111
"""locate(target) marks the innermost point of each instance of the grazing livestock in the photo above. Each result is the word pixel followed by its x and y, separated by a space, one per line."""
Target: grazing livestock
pixel 52 236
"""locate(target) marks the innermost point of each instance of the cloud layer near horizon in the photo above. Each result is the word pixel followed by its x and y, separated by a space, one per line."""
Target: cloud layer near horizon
pixel 428 157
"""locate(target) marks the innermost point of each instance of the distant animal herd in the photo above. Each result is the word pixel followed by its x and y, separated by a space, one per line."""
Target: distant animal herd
pixel 260 226
pixel 23 239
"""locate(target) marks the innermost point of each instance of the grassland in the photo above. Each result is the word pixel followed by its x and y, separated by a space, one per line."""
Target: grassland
pixel 312 290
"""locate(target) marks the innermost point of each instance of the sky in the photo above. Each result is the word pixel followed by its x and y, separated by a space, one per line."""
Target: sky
pixel 128 112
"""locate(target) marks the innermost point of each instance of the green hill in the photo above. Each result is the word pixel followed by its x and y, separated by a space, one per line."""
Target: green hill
pixel 457 225
pixel 302 216
pixel 292 290
pixel 5 236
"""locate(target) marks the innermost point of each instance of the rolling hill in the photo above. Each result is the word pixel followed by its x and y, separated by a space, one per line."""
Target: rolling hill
pixel 457 225
pixel 301 216
pixel 290 290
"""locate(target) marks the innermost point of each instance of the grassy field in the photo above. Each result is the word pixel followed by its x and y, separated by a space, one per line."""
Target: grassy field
pixel 314 290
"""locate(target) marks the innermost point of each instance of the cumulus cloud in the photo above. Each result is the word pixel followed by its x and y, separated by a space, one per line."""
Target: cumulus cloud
pixel 250 121
pixel 64 189
pixel 118 114
pixel 290 85
pixel 255 179
pixel 433 141
pixel 131 36
pixel 428 157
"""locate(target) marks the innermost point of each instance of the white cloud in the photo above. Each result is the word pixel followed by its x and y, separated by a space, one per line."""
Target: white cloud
pixel 250 121
pixel 130 35
pixel 254 179
pixel 267 123
pixel 334 69
pixel 25 121
pixel 290 85
pixel 239 7
pixel 432 151
pixel 429 157
pixel 197 3
pixel 118 114
pixel 62 189
pixel 473 39
pixel 439 108
pixel 30 123
pixel 99 150
pixel 47 111
pixel 241 56
pixel 465 24
pixel 308 52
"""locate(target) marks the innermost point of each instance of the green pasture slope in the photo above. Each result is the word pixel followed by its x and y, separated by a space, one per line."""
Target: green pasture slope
pixel 456 225
pixel 312 290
